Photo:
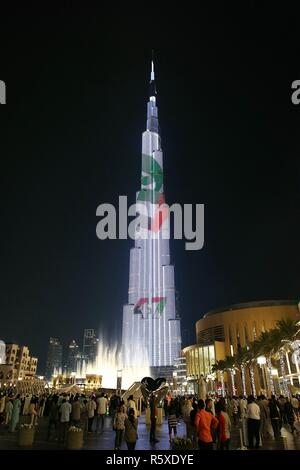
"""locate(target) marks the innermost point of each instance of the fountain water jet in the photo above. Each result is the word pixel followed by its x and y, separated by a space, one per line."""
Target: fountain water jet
pixel 109 361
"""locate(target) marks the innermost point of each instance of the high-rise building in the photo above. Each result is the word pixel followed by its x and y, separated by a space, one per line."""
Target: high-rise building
pixel 150 321
pixel 73 357
pixel 54 357
pixel 18 364
pixel 90 345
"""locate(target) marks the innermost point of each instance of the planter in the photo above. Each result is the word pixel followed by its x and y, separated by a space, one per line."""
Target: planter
pixel 26 437
pixel 75 440
pixel 181 443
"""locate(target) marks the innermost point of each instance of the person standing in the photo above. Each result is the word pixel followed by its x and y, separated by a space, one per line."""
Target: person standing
pixel 153 418
pixel 15 417
pixel 65 412
pixel 41 404
pixel 33 412
pixel 91 407
pixel 84 416
pixel 234 406
pixel 275 415
pixel 280 403
pixel 209 407
pixel 290 414
pixel 27 404
pixel 53 417
pixel 172 421
pixel 295 405
pixel 242 407
pixel 101 412
pixel 76 408
pixel 166 407
pixel 131 424
pixel 204 423
pixel 119 426
pixel 253 422
pixel 131 405
pixel 224 427
pixel 8 412
pixel 2 404
pixel 186 411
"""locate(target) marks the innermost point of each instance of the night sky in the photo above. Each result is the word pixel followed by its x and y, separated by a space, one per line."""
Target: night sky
pixel 77 87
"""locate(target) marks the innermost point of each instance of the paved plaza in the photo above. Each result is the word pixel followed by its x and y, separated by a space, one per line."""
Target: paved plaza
pixel 105 441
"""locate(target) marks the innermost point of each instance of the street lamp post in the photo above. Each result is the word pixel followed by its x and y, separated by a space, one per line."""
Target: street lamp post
pixel 175 383
pixel 119 382
pixel 261 360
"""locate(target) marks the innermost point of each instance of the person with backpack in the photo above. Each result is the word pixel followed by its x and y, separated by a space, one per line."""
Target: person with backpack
pixel 131 425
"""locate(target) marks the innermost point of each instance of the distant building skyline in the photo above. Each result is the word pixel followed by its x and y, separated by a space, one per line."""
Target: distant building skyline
pixel 90 345
pixel 69 358
pixel 54 357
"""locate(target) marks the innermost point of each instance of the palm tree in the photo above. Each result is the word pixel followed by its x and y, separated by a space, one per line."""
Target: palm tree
pixel 266 348
pixel 289 330
pixel 279 349
pixel 229 366
pixel 251 355
pixel 284 335
pixel 219 366
pixel 240 361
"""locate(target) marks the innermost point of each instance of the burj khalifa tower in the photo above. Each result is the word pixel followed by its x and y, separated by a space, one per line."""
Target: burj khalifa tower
pixel 151 325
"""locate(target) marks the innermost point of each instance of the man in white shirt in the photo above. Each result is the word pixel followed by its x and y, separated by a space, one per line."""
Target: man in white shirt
pixel 91 408
pixel 253 421
pixel 242 406
pixel 101 412
pixel 131 404
pixel 64 411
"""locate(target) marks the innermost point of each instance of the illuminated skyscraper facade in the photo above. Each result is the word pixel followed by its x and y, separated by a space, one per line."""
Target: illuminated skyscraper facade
pixel 151 326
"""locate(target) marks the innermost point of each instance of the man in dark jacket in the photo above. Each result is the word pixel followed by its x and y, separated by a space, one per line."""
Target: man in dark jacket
pixel 275 416
pixel 153 418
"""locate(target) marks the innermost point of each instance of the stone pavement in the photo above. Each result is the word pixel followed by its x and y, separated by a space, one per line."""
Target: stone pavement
pixel 105 441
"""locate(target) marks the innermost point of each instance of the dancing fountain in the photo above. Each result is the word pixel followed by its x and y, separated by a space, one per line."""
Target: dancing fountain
pixel 109 361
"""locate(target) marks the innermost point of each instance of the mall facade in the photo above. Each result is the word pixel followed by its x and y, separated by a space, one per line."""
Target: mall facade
pixel 222 332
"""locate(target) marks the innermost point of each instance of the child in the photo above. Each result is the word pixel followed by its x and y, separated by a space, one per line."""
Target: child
pixel 172 421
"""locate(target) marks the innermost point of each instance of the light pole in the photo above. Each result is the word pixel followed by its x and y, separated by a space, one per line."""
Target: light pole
pixel 261 360
pixel 175 383
pixel 119 382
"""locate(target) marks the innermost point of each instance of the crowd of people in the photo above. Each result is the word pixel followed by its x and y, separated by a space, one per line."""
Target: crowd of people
pixel 208 422
pixel 87 412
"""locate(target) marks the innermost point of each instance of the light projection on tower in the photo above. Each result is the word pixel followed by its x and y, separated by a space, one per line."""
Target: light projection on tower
pixel 150 322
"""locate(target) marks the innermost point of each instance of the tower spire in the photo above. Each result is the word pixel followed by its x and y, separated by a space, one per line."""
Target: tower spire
pixel 152 77
pixel 152 80
pixel 152 119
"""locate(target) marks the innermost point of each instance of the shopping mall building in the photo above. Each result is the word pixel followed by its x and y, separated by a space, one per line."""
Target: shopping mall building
pixel 223 332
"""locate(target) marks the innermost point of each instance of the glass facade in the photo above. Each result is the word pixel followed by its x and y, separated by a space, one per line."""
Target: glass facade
pixel 199 360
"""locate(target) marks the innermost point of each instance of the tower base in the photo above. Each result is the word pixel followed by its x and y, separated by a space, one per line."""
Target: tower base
pixel 162 371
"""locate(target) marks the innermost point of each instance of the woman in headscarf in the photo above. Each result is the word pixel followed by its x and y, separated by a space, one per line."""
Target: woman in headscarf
pixel 15 417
